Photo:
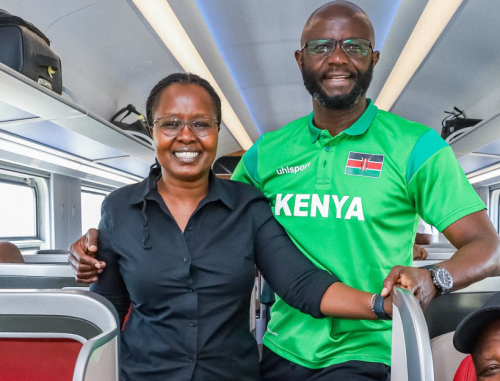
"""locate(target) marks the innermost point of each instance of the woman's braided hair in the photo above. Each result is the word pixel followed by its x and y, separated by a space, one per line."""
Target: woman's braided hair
pixel 186 78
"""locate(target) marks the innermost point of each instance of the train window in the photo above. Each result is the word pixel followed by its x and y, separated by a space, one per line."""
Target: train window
pixel 494 206
pixel 91 207
pixel 18 203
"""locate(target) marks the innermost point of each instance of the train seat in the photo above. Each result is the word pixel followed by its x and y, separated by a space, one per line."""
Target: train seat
pixel 51 251
pixel 445 357
pixel 38 359
pixel 57 335
pixel 37 276
pixel 46 258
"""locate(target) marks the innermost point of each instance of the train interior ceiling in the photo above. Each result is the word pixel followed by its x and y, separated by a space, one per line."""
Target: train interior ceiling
pixel 435 57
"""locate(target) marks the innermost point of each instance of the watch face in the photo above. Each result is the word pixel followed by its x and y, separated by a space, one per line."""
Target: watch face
pixel 444 279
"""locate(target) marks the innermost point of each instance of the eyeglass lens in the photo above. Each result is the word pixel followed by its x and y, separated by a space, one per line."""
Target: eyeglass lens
pixel 354 47
pixel 173 126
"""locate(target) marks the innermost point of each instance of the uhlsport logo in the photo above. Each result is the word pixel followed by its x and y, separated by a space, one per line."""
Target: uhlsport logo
pixel 294 169
pixel 364 164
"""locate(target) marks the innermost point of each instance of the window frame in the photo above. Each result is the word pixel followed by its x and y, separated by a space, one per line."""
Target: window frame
pixel 39 182
pixel 494 206
pixel 96 190
pixel 33 187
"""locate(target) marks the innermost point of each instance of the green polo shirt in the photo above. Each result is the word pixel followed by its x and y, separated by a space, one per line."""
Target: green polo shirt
pixel 350 204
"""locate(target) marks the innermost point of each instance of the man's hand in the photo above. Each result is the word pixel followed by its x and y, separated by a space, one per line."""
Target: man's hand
pixel 417 280
pixel 81 257
pixel 419 253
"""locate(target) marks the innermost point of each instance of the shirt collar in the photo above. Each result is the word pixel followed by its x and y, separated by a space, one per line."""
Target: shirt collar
pixel 359 127
pixel 216 189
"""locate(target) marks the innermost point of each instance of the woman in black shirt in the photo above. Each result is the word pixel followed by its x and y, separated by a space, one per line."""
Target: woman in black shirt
pixel 181 248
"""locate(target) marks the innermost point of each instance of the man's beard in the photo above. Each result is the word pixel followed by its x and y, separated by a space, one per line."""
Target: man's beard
pixel 337 102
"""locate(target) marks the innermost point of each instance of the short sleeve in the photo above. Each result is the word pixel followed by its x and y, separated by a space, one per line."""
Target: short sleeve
pixel 246 170
pixel 439 188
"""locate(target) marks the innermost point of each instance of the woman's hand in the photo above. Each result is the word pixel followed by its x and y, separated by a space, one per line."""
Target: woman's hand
pixel 81 258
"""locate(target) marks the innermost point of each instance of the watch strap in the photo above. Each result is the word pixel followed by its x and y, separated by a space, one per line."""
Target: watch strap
pixel 430 267
pixel 378 308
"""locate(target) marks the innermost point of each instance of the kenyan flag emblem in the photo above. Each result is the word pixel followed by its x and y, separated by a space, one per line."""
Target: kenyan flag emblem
pixel 364 164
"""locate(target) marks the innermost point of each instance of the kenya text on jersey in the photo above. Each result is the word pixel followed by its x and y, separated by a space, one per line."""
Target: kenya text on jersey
pixel 305 205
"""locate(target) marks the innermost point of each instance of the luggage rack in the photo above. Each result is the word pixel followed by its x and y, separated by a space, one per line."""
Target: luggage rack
pixel 30 111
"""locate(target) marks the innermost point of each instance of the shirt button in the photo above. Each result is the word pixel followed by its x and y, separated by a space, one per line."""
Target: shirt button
pixel 189 228
pixel 190 290
pixel 186 260
pixel 191 359
pixel 323 136
pixel 327 148
pixel 191 324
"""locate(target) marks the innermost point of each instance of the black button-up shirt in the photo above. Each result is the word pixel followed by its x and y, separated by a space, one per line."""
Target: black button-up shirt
pixel 190 291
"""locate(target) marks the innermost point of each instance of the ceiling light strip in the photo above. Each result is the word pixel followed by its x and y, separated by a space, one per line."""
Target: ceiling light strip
pixel 167 26
pixel 35 151
pixel 484 174
pixel 431 24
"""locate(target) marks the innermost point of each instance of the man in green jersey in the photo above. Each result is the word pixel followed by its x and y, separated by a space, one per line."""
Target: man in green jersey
pixel 348 182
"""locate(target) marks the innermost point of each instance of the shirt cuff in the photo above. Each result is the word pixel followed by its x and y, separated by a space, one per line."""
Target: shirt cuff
pixel 322 281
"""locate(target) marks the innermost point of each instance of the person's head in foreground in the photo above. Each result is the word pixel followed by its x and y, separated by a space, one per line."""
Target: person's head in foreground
pixel 479 335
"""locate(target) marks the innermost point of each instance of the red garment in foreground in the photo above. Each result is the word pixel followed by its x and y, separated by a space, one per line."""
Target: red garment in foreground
pixel 466 370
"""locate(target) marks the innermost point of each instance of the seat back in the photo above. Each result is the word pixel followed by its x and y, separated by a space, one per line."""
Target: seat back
pixel 439 251
pixel 445 312
pixel 37 276
pixel 411 349
pixel 52 251
pixel 42 359
pixel 57 335
pixel 46 258
pixel 445 357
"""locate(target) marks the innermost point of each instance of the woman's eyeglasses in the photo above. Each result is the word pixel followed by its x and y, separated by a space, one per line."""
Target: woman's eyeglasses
pixel 172 126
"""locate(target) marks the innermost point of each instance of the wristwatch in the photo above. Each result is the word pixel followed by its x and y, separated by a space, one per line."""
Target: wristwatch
pixel 441 278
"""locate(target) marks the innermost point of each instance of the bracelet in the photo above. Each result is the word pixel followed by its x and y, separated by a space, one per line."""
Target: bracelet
pixel 378 308
pixel 372 303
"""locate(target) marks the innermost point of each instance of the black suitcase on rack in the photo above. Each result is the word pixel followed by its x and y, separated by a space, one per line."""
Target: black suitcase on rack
pixel 27 50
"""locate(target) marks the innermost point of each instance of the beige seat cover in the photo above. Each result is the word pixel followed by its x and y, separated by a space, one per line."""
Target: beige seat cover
pixel 445 357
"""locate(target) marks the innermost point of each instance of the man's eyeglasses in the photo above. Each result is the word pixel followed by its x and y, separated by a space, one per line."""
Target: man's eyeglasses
pixel 172 126
pixel 352 47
